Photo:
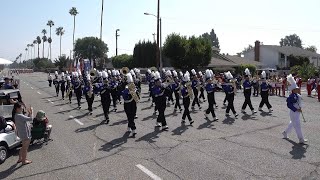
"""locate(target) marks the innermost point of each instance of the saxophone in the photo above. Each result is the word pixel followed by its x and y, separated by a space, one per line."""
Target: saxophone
pixel 190 91
pixel 132 91
pixel 69 90
pixel 90 92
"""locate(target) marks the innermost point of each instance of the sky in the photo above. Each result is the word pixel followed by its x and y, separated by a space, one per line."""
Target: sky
pixel 236 23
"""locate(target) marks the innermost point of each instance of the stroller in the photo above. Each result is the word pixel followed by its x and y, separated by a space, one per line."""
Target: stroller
pixel 41 130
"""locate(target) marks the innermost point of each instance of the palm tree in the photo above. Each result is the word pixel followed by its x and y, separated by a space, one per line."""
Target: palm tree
pixel 28 54
pixel 44 39
pixel 60 32
pixel 34 49
pixel 73 12
pixel 38 42
pixel 50 24
pixel 25 56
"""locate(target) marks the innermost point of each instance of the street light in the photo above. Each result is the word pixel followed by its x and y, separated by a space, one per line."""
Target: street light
pixel 159 45
pixel 117 41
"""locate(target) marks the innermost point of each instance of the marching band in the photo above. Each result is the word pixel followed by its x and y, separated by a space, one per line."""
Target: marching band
pixel 112 84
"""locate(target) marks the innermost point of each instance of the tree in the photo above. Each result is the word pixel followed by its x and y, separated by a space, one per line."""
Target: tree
pixel 44 39
pixel 73 12
pixel 246 49
pixel 90 48
pixel 123 60
pixel 291 40
pixel 212 38
pixel 242 67
pixel 144 54
pixel 312 49
pixel 41 64
pixel 50 24
pixel 60 32
pixel 38 42
pixel 187 53
pixel 34 44
pixel 297 60
pixel 305 71
pixel 61 62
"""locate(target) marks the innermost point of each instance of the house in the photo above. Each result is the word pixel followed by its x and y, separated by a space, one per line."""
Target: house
pixel 221 61
pixel 273 56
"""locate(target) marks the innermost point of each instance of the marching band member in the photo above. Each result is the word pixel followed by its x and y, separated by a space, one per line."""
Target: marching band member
pixel 176 89
pixel 77 85
pixel 56 82
pixel 113 84
pixel 168 90
pixel 229 88
pixel 131 98
pixel 299 82
pixel 62 85
pixel 187 94
pixel 294 104
pixel 318 89
pixel 69 88
pixel 88 91
pixel 195 86
pixel 278 86
pixel 247 86
pixel 49 79
pixel 105 95
pixel 160 101
pixel 264 93
pixel 210 88
pixel 148 79
pixel 138 80
pixel 202 84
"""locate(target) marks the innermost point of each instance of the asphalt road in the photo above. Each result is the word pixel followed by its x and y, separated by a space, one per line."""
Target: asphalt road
pixel 247 147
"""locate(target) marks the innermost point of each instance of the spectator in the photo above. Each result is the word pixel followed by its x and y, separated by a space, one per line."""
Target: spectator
pixel 23 130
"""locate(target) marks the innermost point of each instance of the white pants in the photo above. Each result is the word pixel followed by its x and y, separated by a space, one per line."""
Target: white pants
pixel 295 122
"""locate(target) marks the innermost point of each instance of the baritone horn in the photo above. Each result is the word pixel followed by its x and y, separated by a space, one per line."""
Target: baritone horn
pixel 125 70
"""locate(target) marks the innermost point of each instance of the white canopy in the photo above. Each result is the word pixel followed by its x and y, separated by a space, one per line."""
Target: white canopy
pixel 4 61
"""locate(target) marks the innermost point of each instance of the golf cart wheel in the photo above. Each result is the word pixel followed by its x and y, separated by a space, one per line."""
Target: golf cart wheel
pixel 3 154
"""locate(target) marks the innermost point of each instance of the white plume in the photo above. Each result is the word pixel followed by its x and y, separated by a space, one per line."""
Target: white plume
pixel 157 75
pixel 263 74
pixel 149 71
pixel 212 75
pixel 129 78
pixel 100 74
pixel 168 73
pixel 186 77
pixel 56 72
pixel 181 74
pixel 247 72
pixel 175 74
pixel 104 74
pixel 200 73
pixel 193 72
pixel 68 78
pixel 290 79
pixel 208 74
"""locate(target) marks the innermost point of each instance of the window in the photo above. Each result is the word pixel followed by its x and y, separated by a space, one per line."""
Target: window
pixel 282 56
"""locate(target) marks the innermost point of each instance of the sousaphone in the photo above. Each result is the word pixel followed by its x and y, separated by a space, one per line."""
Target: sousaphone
pixel 125 70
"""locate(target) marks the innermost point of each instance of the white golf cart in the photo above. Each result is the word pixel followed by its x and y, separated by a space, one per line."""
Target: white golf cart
pixel 8 137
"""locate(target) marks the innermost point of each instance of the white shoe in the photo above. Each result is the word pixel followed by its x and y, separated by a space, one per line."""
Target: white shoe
pixel 254 112
pixel 243 111
pixel 270 110
pixel 164 128
pixel 158 124
pixel 215 119
pixel 285 135
pixel 303 141
pixel 236 115
pixel 128 129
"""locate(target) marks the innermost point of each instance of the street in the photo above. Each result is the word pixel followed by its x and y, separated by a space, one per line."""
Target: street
pixel 247 147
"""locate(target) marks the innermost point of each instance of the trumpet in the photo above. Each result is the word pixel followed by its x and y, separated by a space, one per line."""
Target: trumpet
pixel 132 90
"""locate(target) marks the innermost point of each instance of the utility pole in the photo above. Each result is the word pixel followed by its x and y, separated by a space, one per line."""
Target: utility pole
pixel 101 20
pixel 117 41
pixel 158 35
pixel 160 48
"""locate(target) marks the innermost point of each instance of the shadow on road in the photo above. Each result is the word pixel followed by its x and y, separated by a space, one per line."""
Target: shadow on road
pixel 298 150
pixel 228 121
pixel 153 116
pixel 89 128
pixel 207 124
pixel 150 137
pixel 6 173
pixel 179 130
pixel 119 123
pixel 115 143
pixel 246 117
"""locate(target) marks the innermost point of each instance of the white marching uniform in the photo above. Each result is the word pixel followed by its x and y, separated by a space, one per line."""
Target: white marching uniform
pixel 296 101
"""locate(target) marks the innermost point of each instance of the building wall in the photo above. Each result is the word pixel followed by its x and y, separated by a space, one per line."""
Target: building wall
pixel 268 57
pixel 315 61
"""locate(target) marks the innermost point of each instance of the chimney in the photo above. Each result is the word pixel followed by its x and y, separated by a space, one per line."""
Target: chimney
pixel 257 51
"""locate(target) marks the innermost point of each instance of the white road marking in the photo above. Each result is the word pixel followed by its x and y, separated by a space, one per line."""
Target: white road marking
pixel 148 172
pixel 77 121
pixel 38 92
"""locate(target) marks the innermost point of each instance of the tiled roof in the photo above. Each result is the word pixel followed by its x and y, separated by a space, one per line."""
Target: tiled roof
pixel 290 50
pixel 239 60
